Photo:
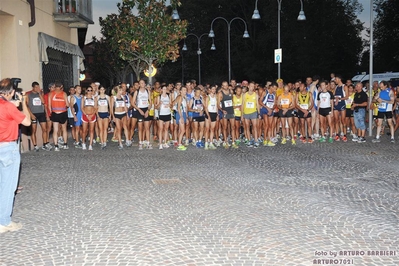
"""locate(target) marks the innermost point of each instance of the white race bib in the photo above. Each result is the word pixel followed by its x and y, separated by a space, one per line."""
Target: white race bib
pixel 349 101
pixel 228 103
pixel 270 104
pixel 382 105
pixel 37 101
pixel 250 105
pixel 304 106
pixel 285 101
pixel 102 102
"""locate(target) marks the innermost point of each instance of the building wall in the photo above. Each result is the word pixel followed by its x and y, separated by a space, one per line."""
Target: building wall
pixel 19 51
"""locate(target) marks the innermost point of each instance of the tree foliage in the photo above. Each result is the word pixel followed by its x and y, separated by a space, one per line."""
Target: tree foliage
pixel 328 41
pixel 386 36
pixel 144 31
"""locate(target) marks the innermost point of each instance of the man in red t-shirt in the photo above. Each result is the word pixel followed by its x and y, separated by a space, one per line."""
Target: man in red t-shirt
pixel 10 158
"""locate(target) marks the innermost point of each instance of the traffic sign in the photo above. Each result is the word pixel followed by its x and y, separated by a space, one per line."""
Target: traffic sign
pixel 278 56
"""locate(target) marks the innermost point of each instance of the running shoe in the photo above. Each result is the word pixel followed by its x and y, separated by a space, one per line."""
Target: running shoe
pixel 322 139
pixel 344 139
pixel 160 147
pixel 310 140
pixel 234 146
pixel 98 139
pixel 283 141
pixel 392 140
pixel 120 146
pixel 149 147
pixel 36 149
pixel 256 145
pixel 56 148
pixel 66 147
pixel 181 148
pixel 270 144
pixel 336 138
pixel 206 146
pixel 83 146
pixel 293 142
pixel 238 142
pixel 90 148
pixel 361 140
pixel 140 146
pixel 288 138
pixel 330 140
pixel 45 148
pixel 198 144
pixel 60 141
pixel 165 145
pixel 211 146
pixel 128 143
pixel 114 140
pixel 48 145
pixel 355 139
pixel 376 140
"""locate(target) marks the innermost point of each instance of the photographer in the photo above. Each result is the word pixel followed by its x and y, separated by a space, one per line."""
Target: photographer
pixel 10 158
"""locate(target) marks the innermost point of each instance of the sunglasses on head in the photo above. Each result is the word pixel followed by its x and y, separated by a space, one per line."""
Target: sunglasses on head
pixel 89 90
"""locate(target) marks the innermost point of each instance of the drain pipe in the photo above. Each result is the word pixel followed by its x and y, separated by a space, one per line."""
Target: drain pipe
pixel 32 13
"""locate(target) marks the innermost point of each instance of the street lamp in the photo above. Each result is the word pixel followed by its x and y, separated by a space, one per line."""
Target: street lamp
pixel 301 17
pixel 212 35
pixel 199 52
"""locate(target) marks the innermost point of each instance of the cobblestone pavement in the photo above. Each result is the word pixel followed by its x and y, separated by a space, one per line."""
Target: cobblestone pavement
pixel 283 205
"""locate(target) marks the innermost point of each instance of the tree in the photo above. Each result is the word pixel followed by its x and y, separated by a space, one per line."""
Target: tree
pixel 107 67
pixel 386 36
pixel 143 33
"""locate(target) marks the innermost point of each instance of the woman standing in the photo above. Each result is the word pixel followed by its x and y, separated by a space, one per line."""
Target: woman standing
pixel 118 114
pixel 89 109
pixel 163 103
pixel 285 104
pixel 250 111
pixel 181 116
pixel 103 102
pixel 211 111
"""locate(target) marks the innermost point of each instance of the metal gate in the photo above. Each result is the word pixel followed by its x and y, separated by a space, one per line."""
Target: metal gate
pixel 59 68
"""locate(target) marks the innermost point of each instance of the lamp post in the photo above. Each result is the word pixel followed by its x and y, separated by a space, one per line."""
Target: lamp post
pixel 212 35
pixel 301 17
pixel 371 67
pixel 199 52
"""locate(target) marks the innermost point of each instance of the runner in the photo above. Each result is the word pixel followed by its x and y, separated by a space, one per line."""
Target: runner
pixel 325 101
pixel 119 110
pixel 103 108
pixel 211 118
pixel 196 106
pixel 267 101
pixel 340 95
pixel 142 101
pixel 359 105
pixel 163 103
pixel 225 104
pixel 181 117
pixel 250 111
pixel 58 104
pixel 350 122
pixel 305 104
pixel 385 99
pixel 285 103
pixel 89 109
pixel 35 104
pixel 76 106
pixel 126 96
pixel 237 103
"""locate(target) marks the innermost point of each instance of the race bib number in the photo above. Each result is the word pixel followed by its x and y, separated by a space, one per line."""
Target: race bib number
pixel 102 103
pixel 37 101
pixel 349 101
pixel 228 103
pixel 382 105
pixel 90 102
pixel 119 104
pixel 285 101
pixel 338 98
pixel 213 108
pixel 324 99
pixel 250 105
pixel 144 102
pixel 270 104
pixel 304 106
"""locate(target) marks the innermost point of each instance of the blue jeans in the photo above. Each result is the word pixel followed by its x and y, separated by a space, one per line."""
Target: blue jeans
pixel 360 117
pixel 10 159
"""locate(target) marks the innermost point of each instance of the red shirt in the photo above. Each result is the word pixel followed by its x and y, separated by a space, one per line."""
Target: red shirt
pixel 10 118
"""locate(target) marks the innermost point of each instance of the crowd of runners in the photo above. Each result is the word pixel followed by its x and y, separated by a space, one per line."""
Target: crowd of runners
pixel 229 115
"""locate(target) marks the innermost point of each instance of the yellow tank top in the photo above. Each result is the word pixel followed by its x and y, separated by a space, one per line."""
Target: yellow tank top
pixel 349 101
pixel 250 103
pixel 375 110
pixel 285 101
pixel 279 91
pixel 304 100
pixel 237 101
pixel 154 95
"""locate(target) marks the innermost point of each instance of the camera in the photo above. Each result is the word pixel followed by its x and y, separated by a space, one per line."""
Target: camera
pixel 18 91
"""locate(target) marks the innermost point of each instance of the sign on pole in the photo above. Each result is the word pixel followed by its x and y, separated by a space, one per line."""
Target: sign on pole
pixel 278 56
